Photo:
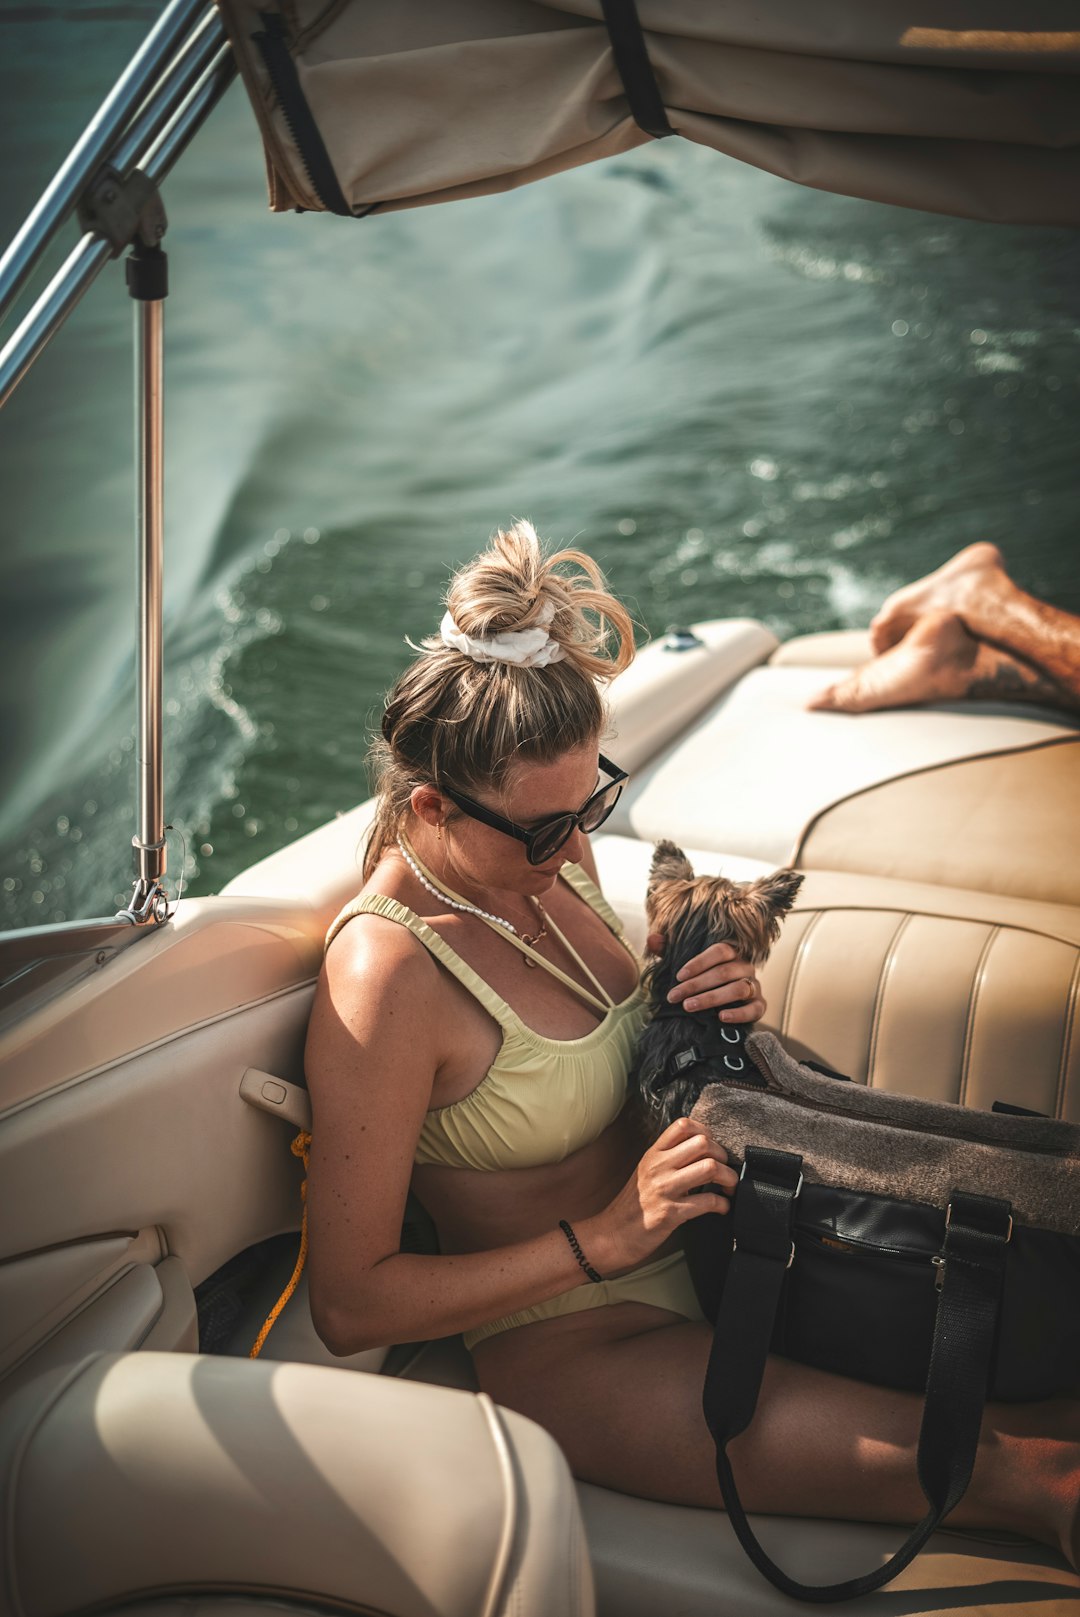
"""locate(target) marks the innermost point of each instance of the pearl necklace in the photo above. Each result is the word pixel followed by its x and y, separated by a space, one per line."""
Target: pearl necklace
pixel 474 909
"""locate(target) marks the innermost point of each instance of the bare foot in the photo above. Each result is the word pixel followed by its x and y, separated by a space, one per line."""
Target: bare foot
pixel 974 571
pixel 1058 1455
pixel 935 662
pixel 1027 1475
pixel 939 661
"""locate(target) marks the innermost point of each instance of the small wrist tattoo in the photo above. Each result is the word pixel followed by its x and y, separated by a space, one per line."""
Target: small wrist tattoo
pixel 575 1247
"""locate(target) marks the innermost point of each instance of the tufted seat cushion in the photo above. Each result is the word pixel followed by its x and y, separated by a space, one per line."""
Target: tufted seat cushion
pixel 933 991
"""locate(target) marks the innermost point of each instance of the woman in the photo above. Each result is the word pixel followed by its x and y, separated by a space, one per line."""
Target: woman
pixel 472 1035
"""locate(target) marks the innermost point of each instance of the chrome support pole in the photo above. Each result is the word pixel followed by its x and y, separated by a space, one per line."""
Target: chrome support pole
pixel 150 542
pixel 174 141
pixel 99 136
pixel 86 261
pixel 76 275
pixel 37 962
pixel 197 55
pixel 147 277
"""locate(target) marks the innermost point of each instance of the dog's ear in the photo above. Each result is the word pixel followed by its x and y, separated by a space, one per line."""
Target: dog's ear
pixel 669 863
pixel 778 891
pixel 756 911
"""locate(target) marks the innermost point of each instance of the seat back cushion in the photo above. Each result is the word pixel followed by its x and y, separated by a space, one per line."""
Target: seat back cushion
pixel 1005 823
pixel 930 991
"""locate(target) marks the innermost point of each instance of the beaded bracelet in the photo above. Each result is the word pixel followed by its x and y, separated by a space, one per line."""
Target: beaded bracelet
pixel 575 1247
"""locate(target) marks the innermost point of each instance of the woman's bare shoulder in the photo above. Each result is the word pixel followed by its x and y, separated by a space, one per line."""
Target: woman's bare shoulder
pixel 372 967
pixel 371 949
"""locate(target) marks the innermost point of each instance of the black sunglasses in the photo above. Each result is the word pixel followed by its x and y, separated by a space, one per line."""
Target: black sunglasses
pixel 549 836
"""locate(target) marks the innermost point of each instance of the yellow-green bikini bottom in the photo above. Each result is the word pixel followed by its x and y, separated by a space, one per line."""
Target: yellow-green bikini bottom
pixel 665 1283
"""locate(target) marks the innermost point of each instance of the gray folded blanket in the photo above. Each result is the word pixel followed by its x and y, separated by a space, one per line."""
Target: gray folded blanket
pixel 884 1144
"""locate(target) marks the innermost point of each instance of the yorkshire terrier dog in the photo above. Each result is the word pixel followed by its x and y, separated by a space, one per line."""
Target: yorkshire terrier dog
pixel 679 1050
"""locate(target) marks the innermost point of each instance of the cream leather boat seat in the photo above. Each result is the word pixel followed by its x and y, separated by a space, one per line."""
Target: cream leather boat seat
pixel 651 1558
pixel 934 948
pixel 964 794
pixel 291 1485
pixel 837 648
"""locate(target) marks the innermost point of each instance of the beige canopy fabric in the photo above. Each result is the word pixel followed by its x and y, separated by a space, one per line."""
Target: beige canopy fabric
pixel 962 107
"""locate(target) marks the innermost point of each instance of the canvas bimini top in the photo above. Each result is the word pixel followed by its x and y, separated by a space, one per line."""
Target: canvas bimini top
pixel 962 107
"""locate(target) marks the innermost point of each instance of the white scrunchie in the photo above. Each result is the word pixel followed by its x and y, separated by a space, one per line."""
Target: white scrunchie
pixel 528 648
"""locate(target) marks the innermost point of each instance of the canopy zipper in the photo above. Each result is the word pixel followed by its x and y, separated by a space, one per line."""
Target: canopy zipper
pixel 314 158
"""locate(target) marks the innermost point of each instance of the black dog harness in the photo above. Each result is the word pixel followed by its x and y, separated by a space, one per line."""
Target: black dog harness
pixel 708 1042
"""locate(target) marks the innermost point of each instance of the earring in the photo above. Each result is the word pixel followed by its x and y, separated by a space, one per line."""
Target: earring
pixel 438 830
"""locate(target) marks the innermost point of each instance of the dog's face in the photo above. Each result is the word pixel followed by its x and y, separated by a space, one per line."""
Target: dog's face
pixel 694 911
pixel 691 913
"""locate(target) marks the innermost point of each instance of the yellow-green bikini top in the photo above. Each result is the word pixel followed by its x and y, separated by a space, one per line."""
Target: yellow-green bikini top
pixel 541 1099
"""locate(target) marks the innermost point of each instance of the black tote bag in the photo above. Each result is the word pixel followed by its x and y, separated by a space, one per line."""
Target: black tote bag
pixel 913 1244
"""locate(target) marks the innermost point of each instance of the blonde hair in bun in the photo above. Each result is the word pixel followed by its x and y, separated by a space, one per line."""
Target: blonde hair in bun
pixel 450 718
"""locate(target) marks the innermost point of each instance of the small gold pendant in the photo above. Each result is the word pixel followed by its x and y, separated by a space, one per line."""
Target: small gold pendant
pixel 532 942
pixel 535 939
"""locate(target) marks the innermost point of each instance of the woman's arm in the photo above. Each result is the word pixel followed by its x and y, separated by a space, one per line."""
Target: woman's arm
pixel 374 1049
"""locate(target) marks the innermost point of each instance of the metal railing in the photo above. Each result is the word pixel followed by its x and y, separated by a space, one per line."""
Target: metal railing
pixel 147 128
pixel 110 183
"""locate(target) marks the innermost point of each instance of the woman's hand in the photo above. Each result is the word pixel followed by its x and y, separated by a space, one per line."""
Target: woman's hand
pixel 716 977
pixel 667 1188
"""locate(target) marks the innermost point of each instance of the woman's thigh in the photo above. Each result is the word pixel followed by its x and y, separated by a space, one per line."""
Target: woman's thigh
pixel 619 1388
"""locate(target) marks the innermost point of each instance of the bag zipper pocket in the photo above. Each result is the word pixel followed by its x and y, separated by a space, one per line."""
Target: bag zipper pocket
pixel 868 1249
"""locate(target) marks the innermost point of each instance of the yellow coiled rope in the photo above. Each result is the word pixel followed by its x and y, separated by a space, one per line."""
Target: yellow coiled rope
pixel 300 1147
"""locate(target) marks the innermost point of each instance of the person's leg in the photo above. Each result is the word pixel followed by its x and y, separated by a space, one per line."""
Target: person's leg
pixel 975 586
pixel 620 1390
pixel 938 660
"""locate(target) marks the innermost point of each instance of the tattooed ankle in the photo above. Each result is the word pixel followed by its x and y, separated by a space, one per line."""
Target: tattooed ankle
pixel 1013 681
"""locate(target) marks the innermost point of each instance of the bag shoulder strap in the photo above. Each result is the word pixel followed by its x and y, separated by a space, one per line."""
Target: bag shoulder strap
pixel 977 1232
